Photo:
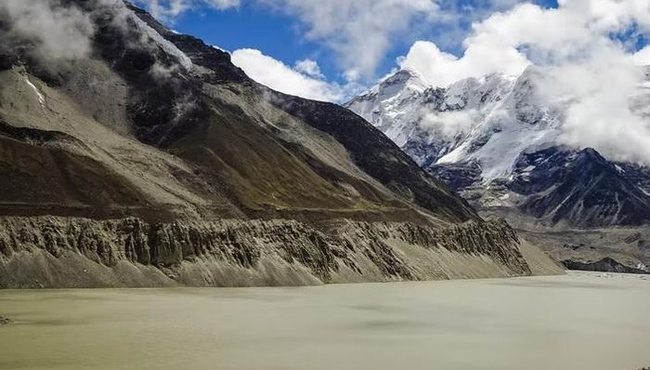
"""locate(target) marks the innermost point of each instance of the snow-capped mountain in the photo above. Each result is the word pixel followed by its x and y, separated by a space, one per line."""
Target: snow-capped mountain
pixel 496 140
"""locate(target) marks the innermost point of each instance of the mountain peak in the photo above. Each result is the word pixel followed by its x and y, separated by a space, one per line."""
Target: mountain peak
pixel 404 81
pixel 591 154
pixel 490 120
pixel 401 75
pixel 497 137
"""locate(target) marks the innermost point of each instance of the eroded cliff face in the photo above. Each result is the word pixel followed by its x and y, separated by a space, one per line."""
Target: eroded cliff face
pixel 75 252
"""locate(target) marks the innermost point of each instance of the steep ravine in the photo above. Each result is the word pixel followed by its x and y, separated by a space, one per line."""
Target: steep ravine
pixel 52 252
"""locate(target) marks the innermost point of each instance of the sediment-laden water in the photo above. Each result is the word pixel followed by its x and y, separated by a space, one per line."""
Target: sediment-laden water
pixel 578 321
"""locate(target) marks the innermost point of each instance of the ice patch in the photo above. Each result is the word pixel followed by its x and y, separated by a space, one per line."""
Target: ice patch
pixel 166 45
pixel 41 97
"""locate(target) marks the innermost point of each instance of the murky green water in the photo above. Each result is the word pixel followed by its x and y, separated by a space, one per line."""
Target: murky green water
pixel 580 321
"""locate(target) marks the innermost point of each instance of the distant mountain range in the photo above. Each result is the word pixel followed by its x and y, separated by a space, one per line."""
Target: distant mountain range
pixel 496 141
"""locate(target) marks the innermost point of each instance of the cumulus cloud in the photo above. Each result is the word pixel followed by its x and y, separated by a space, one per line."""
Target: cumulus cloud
pixel 588 70
pixel 304 80
pixel 53 30
pixel 309 67
pixel 598 97
pixel 439 68
pixel 642 57
pixel 507 42
pixel 168 9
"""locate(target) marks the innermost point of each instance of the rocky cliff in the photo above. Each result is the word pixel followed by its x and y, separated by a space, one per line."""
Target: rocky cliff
pixel 67 252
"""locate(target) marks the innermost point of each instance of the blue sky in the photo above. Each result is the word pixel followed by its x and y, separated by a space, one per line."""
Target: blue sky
pixel 248 26
pixel 251 25
pixel 344 46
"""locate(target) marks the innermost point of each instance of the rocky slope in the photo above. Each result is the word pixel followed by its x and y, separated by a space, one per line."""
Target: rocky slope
pixel 163 132
pixel 495 140
pixel 168 124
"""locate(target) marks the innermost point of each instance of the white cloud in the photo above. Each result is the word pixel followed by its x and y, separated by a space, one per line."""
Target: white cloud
pixel 451 123
pixel 293 81
pixel 441 69
pixel 598 95
pixel 508 42
pixel 359 32
pixel 642 57
pixel 168 9
pixel 309 67
pixel 223 4
pixel 58 32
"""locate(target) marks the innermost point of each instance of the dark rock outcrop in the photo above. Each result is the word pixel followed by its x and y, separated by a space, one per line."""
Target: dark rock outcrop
pixel 458 177
pixel 607 264
pixel 582 188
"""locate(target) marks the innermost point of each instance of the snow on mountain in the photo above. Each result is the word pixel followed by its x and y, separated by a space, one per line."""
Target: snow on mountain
pixel 490 120
pixel 155 37
pixel 498 141
pixel 397 95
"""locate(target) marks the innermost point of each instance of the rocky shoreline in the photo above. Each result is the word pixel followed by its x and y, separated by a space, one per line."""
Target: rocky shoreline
pixel 606 264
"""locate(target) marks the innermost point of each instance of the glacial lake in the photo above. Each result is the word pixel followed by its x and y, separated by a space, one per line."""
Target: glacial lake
pixel 579 321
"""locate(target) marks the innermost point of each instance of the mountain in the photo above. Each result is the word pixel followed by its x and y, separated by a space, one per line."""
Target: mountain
pixel 496 141
pixel 151 160
pixel 488 121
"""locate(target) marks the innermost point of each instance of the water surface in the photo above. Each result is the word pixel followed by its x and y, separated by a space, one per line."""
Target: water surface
pixel 579 321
